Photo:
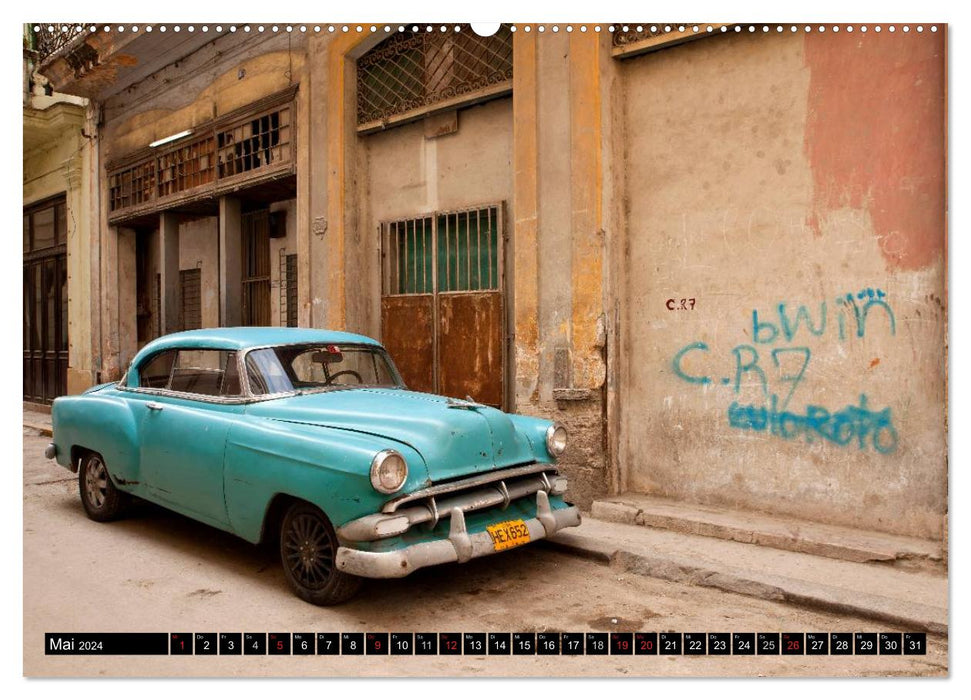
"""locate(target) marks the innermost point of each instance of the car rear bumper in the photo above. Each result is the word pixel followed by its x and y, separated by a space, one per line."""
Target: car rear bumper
pixel 459 546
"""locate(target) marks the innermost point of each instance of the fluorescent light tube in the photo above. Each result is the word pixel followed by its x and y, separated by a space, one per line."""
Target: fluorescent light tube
pixel 170 139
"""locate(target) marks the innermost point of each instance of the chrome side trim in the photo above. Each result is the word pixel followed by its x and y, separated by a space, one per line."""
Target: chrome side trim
pixel 477 480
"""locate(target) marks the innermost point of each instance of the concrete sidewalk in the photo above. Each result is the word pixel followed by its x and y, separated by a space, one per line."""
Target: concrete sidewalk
pixel 833 541
pixel 913 600
pixel 41 422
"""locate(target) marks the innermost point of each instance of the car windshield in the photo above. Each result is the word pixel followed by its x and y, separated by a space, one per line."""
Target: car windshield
pixel 300 368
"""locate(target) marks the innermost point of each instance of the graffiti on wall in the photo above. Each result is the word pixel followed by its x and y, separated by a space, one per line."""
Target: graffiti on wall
pixel 774 347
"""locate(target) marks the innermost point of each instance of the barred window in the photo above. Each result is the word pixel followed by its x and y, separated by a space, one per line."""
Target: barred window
pixel 191 284
pixel 415 72
pixel 455 251
pixel 291 290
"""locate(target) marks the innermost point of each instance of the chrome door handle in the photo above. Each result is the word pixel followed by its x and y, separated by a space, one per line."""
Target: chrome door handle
pixel 154 406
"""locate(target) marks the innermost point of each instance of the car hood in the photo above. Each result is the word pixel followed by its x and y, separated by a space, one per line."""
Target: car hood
pixel 452 441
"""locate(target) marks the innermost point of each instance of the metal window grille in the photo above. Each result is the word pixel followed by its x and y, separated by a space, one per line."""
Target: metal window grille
pixel 291 290
pixel 191 283
pixel 454 251
pixel 256 269
pixel 416 70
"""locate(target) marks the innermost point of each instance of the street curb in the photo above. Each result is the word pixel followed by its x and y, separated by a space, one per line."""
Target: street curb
pixel 805 538
pixel 42 429
pixel 909 615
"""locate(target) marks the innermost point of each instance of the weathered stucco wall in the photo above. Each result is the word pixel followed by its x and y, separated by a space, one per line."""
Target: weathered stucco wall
pixel 558 246
pixel 199 248
pixel 224 75
pixel 786 311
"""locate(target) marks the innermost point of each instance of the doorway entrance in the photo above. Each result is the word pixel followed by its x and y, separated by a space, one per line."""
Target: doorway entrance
pixel 45 301
pixel 442 302
pixel 255 306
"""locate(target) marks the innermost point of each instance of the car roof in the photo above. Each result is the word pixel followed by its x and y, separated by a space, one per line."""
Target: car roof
pixel 243 337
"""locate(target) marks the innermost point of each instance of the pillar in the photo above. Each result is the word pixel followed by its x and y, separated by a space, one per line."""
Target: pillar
pixel 168 249
pixel 230 261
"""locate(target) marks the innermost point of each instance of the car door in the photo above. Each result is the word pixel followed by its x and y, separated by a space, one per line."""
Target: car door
pixel 183 428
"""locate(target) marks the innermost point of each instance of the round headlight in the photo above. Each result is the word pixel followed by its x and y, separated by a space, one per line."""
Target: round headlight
pixel 388 471
pixel 556 440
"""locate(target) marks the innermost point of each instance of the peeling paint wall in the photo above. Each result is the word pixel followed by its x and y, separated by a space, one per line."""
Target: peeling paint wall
pixel 786 308
pixel 199 248
pixel 558 245
pixel 215 80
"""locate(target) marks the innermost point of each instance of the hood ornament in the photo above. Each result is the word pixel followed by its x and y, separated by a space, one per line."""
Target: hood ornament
pixel 468 403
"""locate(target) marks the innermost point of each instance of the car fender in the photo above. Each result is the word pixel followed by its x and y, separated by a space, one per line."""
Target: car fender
pixel 102 422
pixel 327 467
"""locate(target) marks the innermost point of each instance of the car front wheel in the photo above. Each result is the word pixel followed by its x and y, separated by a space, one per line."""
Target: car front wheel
pixel 308 550
pixel 101 500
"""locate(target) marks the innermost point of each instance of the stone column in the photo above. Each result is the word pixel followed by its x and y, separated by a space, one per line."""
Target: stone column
pixel 230 261
pixel 168 248
pixel 126 295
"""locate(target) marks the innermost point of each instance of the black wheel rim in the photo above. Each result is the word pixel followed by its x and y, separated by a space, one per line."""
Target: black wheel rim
pixel 308 551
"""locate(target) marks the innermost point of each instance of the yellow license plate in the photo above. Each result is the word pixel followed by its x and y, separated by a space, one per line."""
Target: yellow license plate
pixel 508 534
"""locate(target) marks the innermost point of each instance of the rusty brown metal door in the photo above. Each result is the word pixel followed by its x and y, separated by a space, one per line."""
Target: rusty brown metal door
pixel 256 268
pixel 442 307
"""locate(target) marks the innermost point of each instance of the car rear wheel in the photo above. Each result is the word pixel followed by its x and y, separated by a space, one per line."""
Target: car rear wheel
pixel 308 550
pixel 101 500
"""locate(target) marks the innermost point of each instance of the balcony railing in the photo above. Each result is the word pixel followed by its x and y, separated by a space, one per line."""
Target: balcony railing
pixel 46 38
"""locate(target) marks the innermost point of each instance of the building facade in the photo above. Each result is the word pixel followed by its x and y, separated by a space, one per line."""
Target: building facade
pixel 57 235
pixel 717 257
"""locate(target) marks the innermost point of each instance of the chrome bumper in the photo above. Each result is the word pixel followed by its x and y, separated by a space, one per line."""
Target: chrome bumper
pixel 460 546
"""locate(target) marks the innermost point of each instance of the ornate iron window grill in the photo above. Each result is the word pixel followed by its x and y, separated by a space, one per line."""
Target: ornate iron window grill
pixel 630 34
pixel 632 39
pixel 413 71
pixel 49 38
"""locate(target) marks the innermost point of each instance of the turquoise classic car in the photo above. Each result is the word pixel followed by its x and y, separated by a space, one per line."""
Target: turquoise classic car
pixel 309 438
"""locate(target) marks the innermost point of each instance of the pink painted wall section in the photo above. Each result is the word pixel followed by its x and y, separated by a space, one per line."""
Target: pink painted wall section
pixel 875 136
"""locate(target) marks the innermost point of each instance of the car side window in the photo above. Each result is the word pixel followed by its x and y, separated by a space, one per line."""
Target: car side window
pixel 155 373
pixel 205 372
pixel 266 374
